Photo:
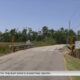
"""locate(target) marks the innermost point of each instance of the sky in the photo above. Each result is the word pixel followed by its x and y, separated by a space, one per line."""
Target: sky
pixel 55 14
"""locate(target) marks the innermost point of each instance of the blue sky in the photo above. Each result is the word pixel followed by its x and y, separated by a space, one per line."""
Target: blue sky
pixel 38 13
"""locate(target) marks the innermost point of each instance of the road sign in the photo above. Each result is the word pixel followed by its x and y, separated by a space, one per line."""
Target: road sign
pixel 77 44
pixel 78 32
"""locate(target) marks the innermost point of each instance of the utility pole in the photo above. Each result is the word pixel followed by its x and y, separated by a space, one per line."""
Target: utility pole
pixel 68 37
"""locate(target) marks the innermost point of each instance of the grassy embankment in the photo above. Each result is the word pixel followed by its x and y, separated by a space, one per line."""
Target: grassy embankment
pixel 41 43
pixel 45 42
pixel 5 49
pixel 73 64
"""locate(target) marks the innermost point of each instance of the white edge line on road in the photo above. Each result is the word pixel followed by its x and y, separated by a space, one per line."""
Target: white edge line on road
pixel 65 65
pixel 39 73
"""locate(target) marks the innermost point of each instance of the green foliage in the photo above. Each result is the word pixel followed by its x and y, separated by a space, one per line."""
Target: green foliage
pixel 43 37
pixel 46 35
pixel 4 49
pixel 49 40
pixel 72 62
pixel 60 36
pixel 44 43
pixel 45 31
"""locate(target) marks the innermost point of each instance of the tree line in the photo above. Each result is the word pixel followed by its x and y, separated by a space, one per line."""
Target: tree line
pixel 60 36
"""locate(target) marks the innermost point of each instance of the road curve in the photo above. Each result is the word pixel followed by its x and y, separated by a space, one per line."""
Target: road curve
pixel 48 58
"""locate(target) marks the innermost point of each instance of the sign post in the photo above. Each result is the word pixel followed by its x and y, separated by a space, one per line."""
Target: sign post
pixel 77 44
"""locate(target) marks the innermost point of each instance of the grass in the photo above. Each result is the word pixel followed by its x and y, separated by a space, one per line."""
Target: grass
pixel 43 43
pixel 40 43
pixel 73 64
pixel 75 78
pixel 5 49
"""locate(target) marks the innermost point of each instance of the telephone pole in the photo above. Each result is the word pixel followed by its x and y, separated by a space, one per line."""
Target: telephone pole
pixel 68 37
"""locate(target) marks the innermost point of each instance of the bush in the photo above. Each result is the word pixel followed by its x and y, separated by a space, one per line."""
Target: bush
pixel 45 42
pixel 4 49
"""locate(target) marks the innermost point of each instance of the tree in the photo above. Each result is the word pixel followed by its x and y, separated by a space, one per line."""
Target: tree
pixel 30 34
pixel 5 37
pixel 34 36
pixel 45 31
pixel 45 35
pixel 60 36
pixel 12 34
pixel 51 33
pixel 24 35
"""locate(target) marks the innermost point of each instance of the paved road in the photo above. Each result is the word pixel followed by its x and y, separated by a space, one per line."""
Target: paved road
pixel 42 58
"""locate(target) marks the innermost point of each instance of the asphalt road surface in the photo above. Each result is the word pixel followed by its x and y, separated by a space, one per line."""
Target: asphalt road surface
pixel 48 58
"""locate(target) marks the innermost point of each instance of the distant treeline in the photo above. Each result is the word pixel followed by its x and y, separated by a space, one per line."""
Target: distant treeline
pixel 59 36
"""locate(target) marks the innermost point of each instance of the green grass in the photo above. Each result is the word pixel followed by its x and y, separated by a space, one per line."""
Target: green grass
pixel 40 43
pixel 75 78
pixel 73 64
pixel 43 43
pixel 5 49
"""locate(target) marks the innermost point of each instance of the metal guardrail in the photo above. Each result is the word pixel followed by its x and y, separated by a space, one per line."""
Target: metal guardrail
pixel 16 47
